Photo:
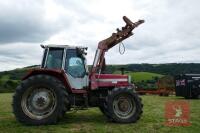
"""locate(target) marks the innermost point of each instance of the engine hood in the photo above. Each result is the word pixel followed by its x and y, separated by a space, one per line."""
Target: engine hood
pixel 112 80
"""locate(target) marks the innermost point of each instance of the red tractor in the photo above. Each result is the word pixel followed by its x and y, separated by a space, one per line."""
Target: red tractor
pixel 64 82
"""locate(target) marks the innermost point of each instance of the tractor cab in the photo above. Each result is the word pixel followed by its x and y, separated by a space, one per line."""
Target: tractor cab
pixel 70 59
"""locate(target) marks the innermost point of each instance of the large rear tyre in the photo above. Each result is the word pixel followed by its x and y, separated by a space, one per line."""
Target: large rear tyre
pixel 39 100
pixel 124 105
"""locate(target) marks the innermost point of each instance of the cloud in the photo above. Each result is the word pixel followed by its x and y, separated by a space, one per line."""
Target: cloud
pixel 27 21
pixel 19 55
pixel 170 33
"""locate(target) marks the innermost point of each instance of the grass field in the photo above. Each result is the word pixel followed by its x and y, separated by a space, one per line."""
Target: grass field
pixel 139 76
pixel 92 120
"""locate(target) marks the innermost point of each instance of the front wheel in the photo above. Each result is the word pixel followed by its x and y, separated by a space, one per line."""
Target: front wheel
pixel 124 105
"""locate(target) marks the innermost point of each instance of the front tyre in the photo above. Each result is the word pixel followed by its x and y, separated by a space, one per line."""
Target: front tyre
pixel 124 105
pixel 40 99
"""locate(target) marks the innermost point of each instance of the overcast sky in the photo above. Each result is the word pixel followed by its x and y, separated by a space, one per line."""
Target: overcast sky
pixel 171 33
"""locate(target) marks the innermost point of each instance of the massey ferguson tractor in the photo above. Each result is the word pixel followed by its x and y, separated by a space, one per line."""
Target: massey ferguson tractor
pixel 63 83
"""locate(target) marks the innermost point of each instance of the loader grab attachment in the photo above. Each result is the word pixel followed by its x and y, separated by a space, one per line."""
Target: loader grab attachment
pixel 121 35
pixel 108 43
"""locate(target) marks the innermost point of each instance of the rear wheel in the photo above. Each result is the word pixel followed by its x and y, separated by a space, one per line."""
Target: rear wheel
pixel 198 96
pixel 123 105
pixel 40 99
pixel 39 103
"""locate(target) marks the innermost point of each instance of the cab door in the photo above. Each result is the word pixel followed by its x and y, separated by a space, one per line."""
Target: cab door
pixel 75 69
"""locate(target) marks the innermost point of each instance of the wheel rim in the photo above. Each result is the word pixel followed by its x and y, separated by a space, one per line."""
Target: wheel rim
pixel 123 106
pixel 38 103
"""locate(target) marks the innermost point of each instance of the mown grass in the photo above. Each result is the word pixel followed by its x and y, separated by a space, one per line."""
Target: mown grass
pixel 92 120
pixel 139 76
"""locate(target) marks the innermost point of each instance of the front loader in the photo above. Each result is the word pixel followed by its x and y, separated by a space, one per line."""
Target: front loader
pixel 64 83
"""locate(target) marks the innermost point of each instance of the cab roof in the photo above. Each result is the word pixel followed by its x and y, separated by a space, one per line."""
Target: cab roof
pixel 61 46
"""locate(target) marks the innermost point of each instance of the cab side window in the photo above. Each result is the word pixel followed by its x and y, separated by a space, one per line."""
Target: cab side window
pixel 74 65
pixel 54 58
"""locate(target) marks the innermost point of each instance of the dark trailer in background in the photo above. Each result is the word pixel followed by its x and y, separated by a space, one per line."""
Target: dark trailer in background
pixel 187 85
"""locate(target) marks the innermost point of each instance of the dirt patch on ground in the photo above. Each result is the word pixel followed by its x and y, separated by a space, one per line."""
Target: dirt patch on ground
pixel 82 127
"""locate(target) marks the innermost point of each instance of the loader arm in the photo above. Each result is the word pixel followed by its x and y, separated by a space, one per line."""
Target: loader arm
pixel 107 44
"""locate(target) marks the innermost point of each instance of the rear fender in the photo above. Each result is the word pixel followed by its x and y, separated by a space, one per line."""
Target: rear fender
pixel 59 74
